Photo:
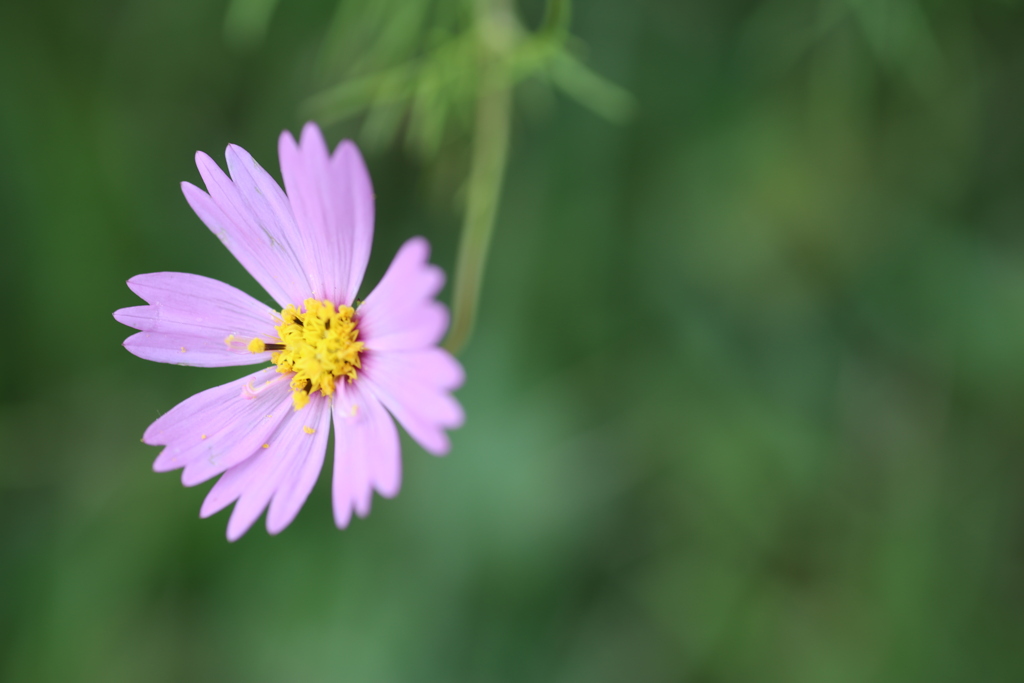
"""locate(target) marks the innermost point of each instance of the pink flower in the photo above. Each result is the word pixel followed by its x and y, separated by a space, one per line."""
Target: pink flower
pixel 335 359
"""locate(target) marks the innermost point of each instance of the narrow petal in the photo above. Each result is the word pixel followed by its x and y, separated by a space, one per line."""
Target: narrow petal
pixel 195 320
pixel 255 231
pixel 232 230
pixel 303 470
pixel 252 426
pixel 366 453
pixel 272 212
pixel 400 323
pixel 287 448
pixel 220 427
pixel 356 204
pixel 229 487
pixel 401 313
pixel 415 387
pixel 306 178
pixel 332 200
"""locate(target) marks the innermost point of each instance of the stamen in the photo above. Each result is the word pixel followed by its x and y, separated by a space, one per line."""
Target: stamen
pixel 250 392
pixel 319 345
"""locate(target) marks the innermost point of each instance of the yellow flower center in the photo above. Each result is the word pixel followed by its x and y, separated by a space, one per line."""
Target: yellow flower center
pixel 318 344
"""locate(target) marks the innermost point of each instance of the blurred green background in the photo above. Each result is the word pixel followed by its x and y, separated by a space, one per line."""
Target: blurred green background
pixel 745 403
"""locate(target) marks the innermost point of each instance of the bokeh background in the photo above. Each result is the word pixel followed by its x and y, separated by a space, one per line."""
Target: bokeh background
pixel 745 403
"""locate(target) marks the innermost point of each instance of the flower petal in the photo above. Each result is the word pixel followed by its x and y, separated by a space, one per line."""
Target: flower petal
pixel 229 487
pixel 332 199
pixel 190 318
pixel 400 313
pixel 356 205
pixel 414 386
pixel 258 229
pixel 220 427
pixel 249 427
pixel 303 470
pixel 306 178
pixel 293 457
pixel 367 454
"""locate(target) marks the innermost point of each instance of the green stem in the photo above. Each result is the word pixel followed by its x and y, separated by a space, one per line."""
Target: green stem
pixel 487 168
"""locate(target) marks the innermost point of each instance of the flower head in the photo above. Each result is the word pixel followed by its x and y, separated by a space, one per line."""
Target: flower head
pixel 335 360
